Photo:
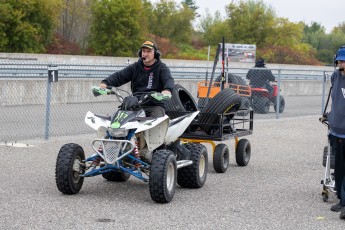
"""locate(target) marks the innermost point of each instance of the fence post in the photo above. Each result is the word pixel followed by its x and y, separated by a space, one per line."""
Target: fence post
pixel 52 77
pixel 278 96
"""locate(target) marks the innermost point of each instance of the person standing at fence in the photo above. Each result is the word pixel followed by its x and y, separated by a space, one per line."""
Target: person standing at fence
pixel 149 73
pixel 261 78
pixel 336 120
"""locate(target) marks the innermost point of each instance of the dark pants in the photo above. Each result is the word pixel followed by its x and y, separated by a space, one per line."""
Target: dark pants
pixel 154 111
pixel 338 146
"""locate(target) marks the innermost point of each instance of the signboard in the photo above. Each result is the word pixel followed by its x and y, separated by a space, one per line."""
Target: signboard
pixel 239 52
pixel 52 73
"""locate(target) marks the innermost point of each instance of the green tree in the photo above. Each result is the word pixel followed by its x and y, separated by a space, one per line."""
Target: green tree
pixel 116 28
pixel 27 26
pixel 313 35
pixel 250 22
pixel 75 21
pixel 172 22
pixel 212 28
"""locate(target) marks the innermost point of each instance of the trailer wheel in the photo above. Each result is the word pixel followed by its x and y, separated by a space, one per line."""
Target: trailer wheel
pixel 194 176
pixel 163 174
pixel 221 158
pixel 325 196
pixel 181 101
pixel 227 100
pixel 68 169
pixel 243 152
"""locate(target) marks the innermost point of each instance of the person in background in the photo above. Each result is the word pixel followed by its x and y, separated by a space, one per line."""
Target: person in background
pixel 261 78
pixel 148 74
pixel 336 121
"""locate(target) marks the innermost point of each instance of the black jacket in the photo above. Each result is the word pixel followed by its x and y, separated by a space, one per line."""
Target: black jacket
pixel 336 116
pixel 158 78
pixel 258 77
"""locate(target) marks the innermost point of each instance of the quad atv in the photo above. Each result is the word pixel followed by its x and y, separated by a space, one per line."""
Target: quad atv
pixel 262 99
pixel 131 144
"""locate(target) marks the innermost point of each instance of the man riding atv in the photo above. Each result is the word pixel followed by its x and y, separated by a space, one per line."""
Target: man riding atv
pixel 260 78
pixel 263 92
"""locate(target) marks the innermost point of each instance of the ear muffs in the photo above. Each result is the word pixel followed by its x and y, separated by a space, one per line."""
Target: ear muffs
pixel 157 53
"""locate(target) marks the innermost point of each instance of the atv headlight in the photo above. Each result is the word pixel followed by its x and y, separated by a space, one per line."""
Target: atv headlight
pixel 118 132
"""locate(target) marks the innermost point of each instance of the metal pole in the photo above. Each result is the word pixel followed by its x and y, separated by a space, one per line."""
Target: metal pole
pixel 213 70
pixel 223 57
pixel 278 96
pixel 323 92
pixel 208 59
pixel 47 123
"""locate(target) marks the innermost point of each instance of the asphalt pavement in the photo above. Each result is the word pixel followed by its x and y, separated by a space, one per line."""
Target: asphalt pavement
pixel 279 189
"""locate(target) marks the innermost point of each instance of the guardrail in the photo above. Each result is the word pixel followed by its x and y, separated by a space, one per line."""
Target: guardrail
pixel 20 69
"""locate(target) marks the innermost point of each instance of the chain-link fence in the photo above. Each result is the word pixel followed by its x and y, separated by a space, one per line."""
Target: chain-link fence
pixel 33 105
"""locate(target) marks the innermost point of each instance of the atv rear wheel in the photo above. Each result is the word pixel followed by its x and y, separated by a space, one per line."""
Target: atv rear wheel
pixel 243 152
pixel 281 104
pixel 221 158
pixel 194 176
pixel 261 105
pixel 163 174
pixel 68 169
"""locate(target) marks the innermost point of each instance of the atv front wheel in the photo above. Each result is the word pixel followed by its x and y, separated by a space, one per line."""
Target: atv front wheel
pixel 194 176
pixel 163 174
pixel 68 169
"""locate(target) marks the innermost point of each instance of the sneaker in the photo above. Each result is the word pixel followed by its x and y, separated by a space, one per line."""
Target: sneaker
pixel 342 213
pixel 336 207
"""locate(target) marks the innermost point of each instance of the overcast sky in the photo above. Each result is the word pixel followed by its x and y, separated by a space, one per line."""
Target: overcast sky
pixel 328 13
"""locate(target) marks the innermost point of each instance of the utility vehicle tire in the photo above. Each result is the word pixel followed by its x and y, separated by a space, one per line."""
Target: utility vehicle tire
pixel 243 152
pixel 221 157
pixel 163 174
pixel 68 170
pixel 245 104
pixel 181 101
pixel 281 104
pixel 116 176
pixel 194 176
pixel 332 158
pixel 224 102
pixel 202 102
pixel 261 105
pixel 233 79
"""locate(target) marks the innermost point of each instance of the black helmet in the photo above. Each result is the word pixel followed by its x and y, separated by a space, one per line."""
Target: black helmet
pixel 260 63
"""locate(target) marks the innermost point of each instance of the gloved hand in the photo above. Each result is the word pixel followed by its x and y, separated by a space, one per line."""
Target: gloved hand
pixel 160 96
pixel 97 91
